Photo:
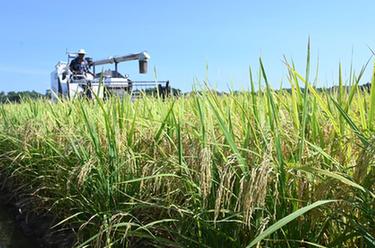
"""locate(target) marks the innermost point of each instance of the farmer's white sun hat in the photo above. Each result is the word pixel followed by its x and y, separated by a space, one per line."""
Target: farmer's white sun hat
pixel 81 51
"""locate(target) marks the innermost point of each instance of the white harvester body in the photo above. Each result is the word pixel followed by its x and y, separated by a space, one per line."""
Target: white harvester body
pixel 66 84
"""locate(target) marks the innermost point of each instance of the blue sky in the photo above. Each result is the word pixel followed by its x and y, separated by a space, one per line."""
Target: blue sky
pixel 183 37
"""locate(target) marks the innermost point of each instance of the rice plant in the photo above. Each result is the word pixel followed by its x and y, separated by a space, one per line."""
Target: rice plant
pixel 261 168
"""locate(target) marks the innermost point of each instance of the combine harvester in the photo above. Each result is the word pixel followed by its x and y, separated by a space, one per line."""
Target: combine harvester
pixel 68 85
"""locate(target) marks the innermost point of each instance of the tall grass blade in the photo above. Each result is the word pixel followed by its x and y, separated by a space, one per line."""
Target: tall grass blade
pixel 305 105
pixel 351 123
pixel 336 176
pixel 229 137
pixel 279 224
pixel 371 114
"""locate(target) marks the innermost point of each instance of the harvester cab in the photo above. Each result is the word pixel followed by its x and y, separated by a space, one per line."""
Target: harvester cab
pixel 67 84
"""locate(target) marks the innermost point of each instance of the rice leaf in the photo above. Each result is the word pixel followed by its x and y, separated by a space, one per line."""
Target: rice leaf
pixel 279 224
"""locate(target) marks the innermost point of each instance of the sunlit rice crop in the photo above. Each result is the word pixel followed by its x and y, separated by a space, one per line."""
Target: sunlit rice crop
pixel 268 168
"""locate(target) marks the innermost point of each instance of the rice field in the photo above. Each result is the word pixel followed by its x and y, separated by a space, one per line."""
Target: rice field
pixel 257 168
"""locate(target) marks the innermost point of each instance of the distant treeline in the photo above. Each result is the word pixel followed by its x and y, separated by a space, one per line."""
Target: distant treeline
pixel 17 96
pixel 364 87
pixel 13 96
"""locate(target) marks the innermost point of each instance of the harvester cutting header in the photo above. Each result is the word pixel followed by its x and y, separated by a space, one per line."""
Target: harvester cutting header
pixel 74 79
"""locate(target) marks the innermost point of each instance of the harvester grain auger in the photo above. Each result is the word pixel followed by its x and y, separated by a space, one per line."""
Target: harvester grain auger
pixel 69 85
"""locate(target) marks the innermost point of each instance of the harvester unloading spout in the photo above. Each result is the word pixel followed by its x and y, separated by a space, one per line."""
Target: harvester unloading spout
pixel 65 83
pixel 142 58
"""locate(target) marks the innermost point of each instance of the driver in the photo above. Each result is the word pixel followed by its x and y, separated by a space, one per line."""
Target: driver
pixel 79 65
